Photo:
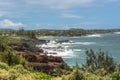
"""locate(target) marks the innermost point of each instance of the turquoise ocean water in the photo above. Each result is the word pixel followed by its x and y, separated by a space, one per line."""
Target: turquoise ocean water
pixel 106 42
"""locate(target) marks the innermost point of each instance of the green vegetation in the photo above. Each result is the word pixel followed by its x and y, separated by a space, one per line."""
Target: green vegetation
pixel 13 66
pixel 116 76
pixel 70 32
pixel 76 74
pixel 99 65
pixel 7 40
pixel 46 32
pixel 18 72
pixel 99 62
pixel 12 59
pixel 7 54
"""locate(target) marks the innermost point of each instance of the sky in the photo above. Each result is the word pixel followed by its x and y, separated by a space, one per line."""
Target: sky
pixel 60 14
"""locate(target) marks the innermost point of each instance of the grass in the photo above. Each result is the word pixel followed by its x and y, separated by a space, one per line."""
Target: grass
pixel 57 78
pixel 47 36
pixel 11 39
pixel 18 72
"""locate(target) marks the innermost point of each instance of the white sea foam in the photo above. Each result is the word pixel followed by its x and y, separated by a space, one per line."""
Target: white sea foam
pixel 116 32
pixel 64 54
pixel 82 43
pixel 85 43
pixel 94 35
pixel 62 49
pixel 77 50
pixel 75 37
pixel 55 49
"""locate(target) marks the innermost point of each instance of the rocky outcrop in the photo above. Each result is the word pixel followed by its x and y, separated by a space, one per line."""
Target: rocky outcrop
pixel 27 46
pixel 39 61
pixel 48 64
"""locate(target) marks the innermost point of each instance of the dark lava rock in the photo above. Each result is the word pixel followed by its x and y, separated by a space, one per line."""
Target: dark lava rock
pixel 48 64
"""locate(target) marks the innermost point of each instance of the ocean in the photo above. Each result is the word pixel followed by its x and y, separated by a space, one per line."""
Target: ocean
pixel 109 43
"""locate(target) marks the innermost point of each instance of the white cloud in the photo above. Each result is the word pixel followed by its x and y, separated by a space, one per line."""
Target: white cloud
pixel 62 4
pixel 71 16
pixel 112 0
pixel 9 24
pixel 66 4
pixel 6 3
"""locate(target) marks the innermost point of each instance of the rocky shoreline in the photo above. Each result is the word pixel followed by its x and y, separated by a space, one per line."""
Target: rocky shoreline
pixel 38 60
pixel 47 64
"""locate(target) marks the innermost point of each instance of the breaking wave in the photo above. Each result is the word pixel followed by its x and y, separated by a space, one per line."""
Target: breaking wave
pixel 94 35
pixel 116 32
pixel 77 50
pixel 82 43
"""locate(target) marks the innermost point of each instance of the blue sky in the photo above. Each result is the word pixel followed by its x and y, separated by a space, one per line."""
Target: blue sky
pixel 60 14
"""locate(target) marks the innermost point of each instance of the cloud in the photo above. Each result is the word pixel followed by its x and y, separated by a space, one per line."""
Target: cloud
pixel 112 0
pixel 70 16
pixel 3 3
pixel 12 9
pixel 62 4
pixel 67 4
pixel 9 24
pixel 7 3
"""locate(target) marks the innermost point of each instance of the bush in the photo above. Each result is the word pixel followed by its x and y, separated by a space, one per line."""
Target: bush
pixel 4 66
pixel 12 59
pixel 116 76
pixel 27 77
pixel 20 69
pixel 4 75
pixel 42 76
pixel 91 76
pixel 13 74
pixel 99 60
pixel 2 47
pixel 75 75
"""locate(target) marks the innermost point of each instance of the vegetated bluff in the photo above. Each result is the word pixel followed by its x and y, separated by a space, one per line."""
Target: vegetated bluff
pixel 39 61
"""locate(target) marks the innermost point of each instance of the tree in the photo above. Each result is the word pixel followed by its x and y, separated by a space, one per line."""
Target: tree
pixel 99 62
pixel 32 35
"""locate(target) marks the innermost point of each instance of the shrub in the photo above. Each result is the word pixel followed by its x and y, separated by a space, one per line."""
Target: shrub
pixel 20 73
pixel 91 76
pixel 4 66
pixel 99 60
pixel 13 74
pixel 75 75
pixel 116 76
pixel 4 75
pixel 2 47
pixel 12 59
pixel 42 76
pixel 27 77
pixel 20 69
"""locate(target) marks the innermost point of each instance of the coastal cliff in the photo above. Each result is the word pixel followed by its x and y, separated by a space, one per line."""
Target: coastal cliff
pixel 48 64
pixel 38 60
